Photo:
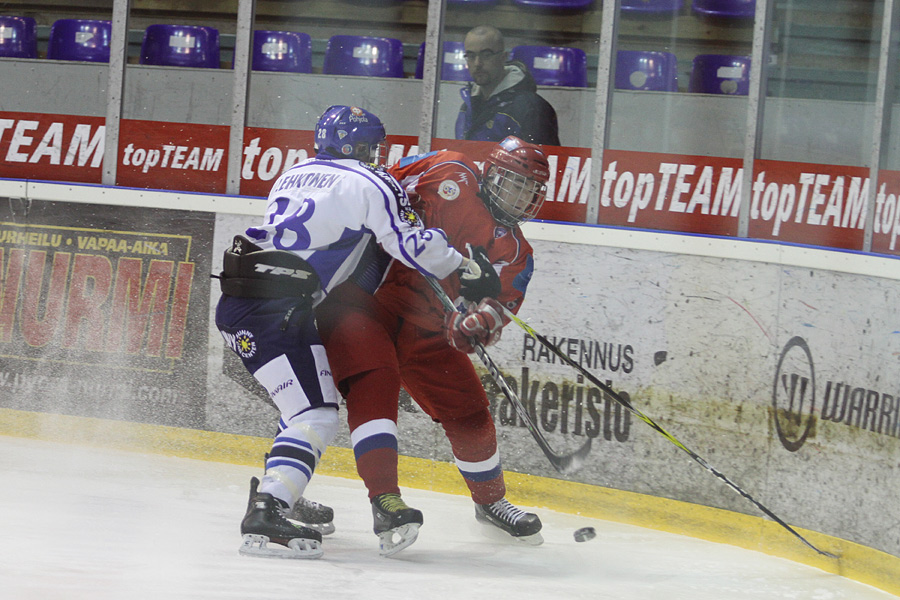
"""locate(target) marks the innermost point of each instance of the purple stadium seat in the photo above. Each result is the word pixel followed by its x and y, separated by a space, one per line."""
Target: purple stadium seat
pixel 363 55
pixel 181 46
pixel 649 7
pixel 552 65
pixel 282 51
pixel 725 8
pixel 653 71
pixel 18 37
pixel 556 4
pixel 453 68
pixel 80 39
pixel 719 74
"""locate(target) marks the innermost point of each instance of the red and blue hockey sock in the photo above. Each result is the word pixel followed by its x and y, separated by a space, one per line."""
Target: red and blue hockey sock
pixel 372 399
pixel 474 443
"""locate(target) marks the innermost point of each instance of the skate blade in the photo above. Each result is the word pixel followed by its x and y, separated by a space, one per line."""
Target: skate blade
pixel 297 548
pixel 532 540
pixel 394 540
pixel 489 530
pixel 323 528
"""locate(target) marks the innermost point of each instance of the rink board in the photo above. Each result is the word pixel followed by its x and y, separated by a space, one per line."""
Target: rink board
pixel 777 364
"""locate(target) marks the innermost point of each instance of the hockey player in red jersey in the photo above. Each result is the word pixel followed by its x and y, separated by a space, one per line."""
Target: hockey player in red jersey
pixel 410 341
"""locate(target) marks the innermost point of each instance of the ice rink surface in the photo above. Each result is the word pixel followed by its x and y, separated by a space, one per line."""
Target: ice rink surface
pixel 87 523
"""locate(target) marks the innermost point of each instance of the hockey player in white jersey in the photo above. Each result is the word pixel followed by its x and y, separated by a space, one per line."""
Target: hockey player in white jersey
pixel 321 217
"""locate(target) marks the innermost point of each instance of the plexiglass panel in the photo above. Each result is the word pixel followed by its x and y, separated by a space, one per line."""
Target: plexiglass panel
pixel 810 181
pixel 678 115
pixel 886 219
pixel 176 107
pixel 54 70
pixel 307 56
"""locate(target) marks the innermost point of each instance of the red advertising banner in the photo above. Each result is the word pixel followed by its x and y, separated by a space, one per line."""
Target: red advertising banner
pixel 173 156
pixel 268 153
pixel 887 214
pixel 821 205
pixel 51 147
pixel 805 203
pixel 693 194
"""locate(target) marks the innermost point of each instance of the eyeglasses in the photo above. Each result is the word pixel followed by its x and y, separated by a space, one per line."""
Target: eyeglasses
pixel 483 55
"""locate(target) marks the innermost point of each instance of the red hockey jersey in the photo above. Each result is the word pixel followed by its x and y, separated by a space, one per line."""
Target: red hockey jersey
pixel 443 188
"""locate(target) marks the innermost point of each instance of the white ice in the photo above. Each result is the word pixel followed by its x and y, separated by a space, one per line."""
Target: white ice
pixel 79 522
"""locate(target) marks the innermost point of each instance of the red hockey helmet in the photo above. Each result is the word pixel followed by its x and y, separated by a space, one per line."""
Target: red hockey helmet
pixel 515 181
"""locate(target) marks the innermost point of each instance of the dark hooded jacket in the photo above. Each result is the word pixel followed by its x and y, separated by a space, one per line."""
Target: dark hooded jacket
pixel 513 109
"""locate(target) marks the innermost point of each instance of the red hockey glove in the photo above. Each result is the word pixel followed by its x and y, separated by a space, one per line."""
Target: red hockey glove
pixel 483 324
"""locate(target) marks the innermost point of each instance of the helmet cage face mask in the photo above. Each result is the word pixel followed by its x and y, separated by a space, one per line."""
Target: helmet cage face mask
pixel 351 132
pixel 513 198
pixel 515 179
pixel 377 153
pixel 368 152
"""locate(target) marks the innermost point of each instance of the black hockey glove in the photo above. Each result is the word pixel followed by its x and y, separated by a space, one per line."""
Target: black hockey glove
pixel 479 279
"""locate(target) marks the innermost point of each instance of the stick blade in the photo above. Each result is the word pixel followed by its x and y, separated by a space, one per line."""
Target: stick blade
pixel 571 463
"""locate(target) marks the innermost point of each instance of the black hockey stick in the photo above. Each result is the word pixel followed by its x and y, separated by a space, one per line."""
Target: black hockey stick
pixel 564 463
pixel 615 396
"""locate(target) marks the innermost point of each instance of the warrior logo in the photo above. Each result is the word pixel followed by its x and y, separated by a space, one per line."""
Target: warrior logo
pixel 794 394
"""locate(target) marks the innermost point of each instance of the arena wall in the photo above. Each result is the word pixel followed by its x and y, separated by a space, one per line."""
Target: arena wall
pixel 775 363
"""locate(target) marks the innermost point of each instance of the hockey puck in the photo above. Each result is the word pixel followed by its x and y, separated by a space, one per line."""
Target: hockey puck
pixel 584 534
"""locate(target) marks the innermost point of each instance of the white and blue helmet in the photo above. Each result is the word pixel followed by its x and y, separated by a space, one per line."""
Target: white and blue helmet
pixel 351 132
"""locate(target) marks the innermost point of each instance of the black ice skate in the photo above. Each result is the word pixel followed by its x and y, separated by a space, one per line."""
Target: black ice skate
pixel 313 515
pixel 523 526
pixel 265 522
pixel 396 524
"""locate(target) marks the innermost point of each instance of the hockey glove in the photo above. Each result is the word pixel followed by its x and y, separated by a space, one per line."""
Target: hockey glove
pixel 479 279
pixel 482 323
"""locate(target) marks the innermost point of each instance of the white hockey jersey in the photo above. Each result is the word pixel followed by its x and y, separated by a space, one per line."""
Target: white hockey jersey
pixel 328 210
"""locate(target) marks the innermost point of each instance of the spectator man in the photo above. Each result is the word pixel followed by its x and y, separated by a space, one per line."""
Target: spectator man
pixel 503 99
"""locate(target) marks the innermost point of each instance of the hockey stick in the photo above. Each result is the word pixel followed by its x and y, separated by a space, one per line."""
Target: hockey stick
pixel 564 463
pixel 615 396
